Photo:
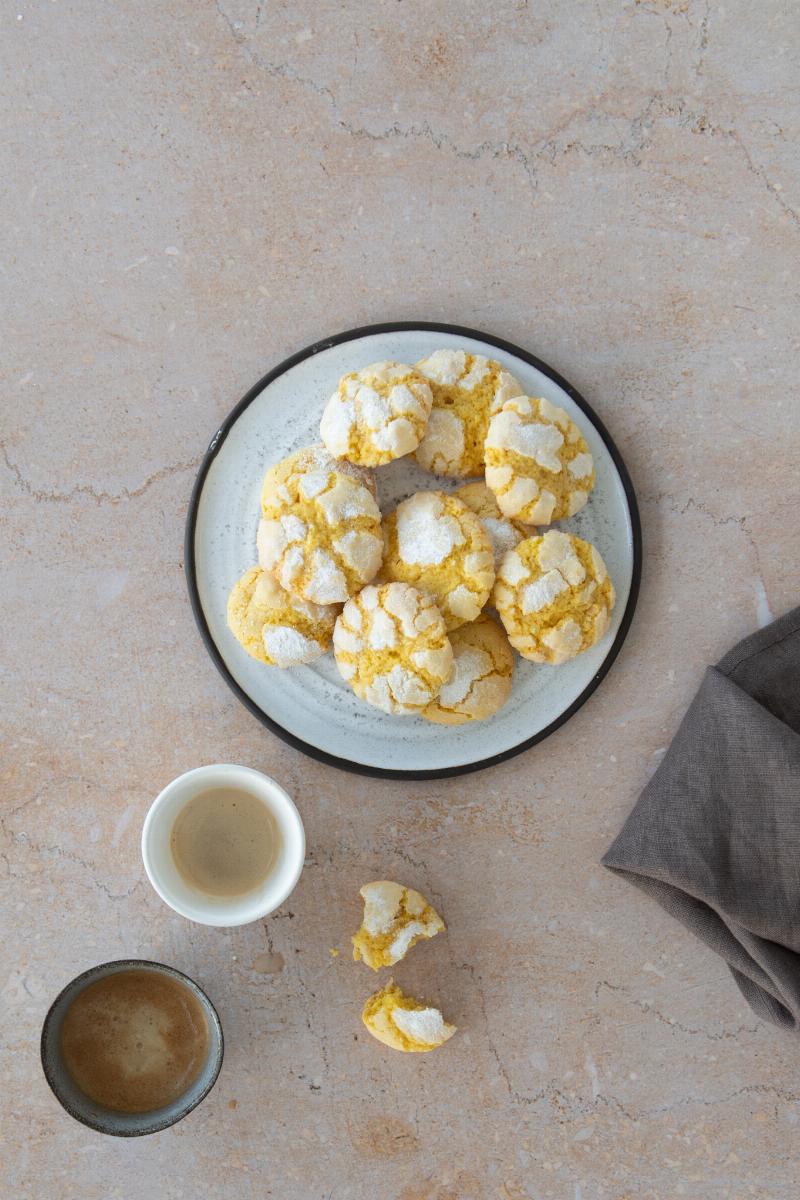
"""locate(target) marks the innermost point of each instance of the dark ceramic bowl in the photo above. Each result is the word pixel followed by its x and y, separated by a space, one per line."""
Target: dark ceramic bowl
pixel 106 1120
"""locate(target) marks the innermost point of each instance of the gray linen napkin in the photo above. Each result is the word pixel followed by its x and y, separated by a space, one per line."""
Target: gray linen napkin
pixel 714 838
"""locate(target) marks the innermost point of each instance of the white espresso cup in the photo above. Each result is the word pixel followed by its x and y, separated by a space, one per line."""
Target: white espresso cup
pixel 222 910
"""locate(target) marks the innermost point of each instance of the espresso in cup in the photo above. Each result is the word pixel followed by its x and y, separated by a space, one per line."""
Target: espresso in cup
pixel 225 842
pixel 223 845
pixel 134 1041
pixel 130 1047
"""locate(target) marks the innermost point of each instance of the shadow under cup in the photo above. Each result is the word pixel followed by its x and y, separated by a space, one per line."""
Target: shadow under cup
pixel 106 1120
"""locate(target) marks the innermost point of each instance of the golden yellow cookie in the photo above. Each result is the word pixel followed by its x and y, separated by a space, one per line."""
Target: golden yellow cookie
pixel 395 919
pixel 376 414
pixel 504 533
pixel 320 533
pixel 482 674
pixel 554 596
pixel 435 542
pixel 537 463
pixel 403 1023
pixel 276 627
pixel 392 647
pixel 466 388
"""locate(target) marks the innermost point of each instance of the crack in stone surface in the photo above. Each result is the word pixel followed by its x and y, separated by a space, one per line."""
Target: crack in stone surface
pixel 231 27
pixel 657 107
pixel 699 66
pixel 697 505
pixel 664 18
pixel 22 839
pixel 413 862
pixel 86 489
pixel 422 130
pixel 425 131
pixel 477 981
pixel 693 1031
pixel 272 69
pixel 699 123
pixel 761 174
pixel 572 1108
pixel 750 1089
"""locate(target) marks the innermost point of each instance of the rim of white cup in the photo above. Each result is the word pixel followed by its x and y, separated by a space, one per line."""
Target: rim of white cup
pixel 222 912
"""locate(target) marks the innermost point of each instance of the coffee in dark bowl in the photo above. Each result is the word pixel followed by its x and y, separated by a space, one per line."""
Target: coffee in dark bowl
pixel 134 1041
pixel 131 1047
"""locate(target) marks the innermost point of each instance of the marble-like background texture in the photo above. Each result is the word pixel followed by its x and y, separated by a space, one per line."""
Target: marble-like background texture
pixel 191 192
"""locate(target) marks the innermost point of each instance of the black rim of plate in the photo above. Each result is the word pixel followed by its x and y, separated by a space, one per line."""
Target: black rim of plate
pixel 190 564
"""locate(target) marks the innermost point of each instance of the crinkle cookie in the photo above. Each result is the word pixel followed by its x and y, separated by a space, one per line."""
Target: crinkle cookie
pixel 537 463
pixel 320 534
pixel 435 542
pixel 482 674
pixel 403 1023
pixel 276 627
pixel 504 533
pixel 554 596
pixel 466 388
pixel 392 647
pixel 376 414
pixel 395 919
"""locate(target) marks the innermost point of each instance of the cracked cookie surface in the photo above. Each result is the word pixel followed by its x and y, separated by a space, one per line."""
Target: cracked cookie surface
pixel 466 389
pixel 537 462
pixel 403 1023
pixel 554 597
pixel 395 919
pixel 504 533
pixel 274 626
pixel 438 544
pixel 483 671
pixel 377 414
pixel 391 645
pixel 320 532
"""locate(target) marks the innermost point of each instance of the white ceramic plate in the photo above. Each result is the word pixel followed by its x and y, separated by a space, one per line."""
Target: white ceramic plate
pixel 311 707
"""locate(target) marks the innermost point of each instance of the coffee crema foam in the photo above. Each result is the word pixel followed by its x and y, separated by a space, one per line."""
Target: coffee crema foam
pixel 224 842
pixel 134 1041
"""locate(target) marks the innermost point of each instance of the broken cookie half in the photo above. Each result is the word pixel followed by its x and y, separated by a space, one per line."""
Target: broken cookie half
pixel 395 918
pixel 403 1023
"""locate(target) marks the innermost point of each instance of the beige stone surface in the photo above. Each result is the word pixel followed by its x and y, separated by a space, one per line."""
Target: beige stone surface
pixel 193 191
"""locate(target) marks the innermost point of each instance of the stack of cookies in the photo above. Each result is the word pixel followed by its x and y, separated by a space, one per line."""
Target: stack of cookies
pixel 402 596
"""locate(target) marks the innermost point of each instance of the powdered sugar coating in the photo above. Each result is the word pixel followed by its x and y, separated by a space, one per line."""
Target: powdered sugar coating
pixel 276 627
pixel 466 389
pixel 554 596
pixel 543 591
pixel 377 414
pixel 288 647
pixel 395 919
pixel 435 542
pixel 426 533
pixel 320 533
pixel 426 1025
pixel 537 463
pixel 391 645
pixel 504 533
pixel 482 675
pixel 382 900
pixel 404 1024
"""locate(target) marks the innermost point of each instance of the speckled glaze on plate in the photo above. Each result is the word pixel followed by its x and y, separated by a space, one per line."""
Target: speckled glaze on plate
pixel 311 707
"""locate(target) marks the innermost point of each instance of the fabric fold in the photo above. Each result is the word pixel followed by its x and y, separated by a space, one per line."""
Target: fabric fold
pixel 714 837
